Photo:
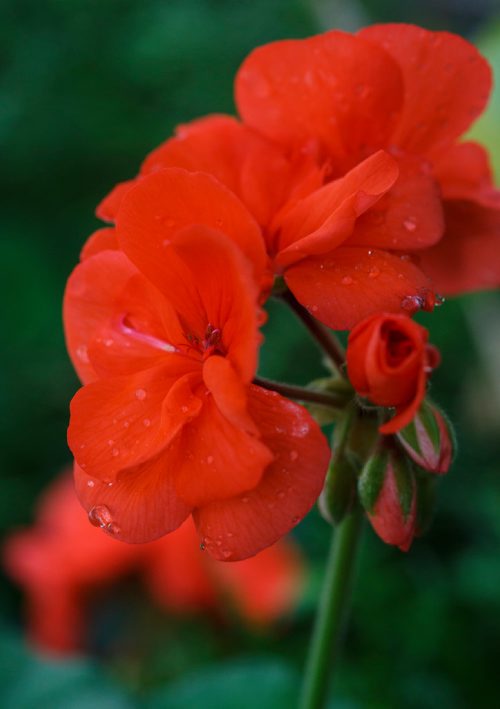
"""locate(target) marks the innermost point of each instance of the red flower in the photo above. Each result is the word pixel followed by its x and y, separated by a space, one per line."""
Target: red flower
pixel 168 422
pixel 406 90
pixel 388 361
pixel 310 228
pixel 62 562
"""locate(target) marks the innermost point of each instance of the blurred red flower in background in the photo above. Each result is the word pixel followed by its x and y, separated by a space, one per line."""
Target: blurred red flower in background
pixel 62 562
pixel 168 423
pixel 388 362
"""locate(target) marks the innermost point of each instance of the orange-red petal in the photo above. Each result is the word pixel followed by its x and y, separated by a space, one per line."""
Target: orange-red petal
pixel 101 240
pixel 335 88
pixel 409 216
pixel 468 256
pixel 350 283
pixel 240 527
pixel 464 172
pixel 165 202
pixel 242 160
pixel 108 208
pixel 123 421
pixel 140 505
pixel 219 459
pixel 446 84
pixel 89 304
pixel 320 222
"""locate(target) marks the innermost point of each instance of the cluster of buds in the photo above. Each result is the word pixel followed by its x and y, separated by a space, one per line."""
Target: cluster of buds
pixel 389 466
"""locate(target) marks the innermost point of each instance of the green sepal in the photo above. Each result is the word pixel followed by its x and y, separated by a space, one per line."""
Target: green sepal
pixel 372 478
pixel 339 492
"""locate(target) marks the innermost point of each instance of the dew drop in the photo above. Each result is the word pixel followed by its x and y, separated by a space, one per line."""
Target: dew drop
pixel 295 520
pixel 140 394
pixel 108 342
pixel 90 483
pixel 82 354
pixel 115 452
pixel 225 553
pixel 113 528
pixel 166 242
pixel 314 308
pixel 126 424
pixel 100 516
pixel 411 303
pixel 184 409
pixel 374 272
pixel 210 459
pixel 110 442
pixel 410 224
pixel 347 281
pixel 293 455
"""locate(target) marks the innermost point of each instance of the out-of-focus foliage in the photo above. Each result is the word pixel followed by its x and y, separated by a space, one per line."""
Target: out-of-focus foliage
pixel 87 88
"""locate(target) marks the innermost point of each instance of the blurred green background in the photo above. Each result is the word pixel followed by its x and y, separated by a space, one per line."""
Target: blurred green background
pixel 87 88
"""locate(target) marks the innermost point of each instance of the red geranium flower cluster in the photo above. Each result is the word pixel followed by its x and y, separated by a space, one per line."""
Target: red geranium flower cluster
pixel 345 178
pixel 62 563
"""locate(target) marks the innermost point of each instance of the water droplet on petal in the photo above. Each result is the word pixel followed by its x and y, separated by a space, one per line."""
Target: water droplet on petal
pixel 347 281
pixel 100 516
pixel 225 553
pixel 410 224
pixel 412 303
pixel 293 455
pixel 184 409
pixel 140 394
pixel 374 272
pixel 147 423
pixel 295 520
pixel 90 483
pixel 115 452
pixel 166 242
pixel 112 528
pixel 210 459
pixel 82 354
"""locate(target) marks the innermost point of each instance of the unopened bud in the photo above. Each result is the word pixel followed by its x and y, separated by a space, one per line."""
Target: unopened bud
pixel 339 492
pixel 387 490
pixel 429 439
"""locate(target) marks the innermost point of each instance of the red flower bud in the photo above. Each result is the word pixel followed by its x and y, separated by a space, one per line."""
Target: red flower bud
pixel 429 439
pixel 387 490
pixel 388 361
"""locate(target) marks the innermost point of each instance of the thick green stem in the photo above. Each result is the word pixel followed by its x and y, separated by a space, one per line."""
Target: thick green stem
pixel 332 612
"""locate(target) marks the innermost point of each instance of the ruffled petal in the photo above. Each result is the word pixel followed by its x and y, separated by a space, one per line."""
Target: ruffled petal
pixel 318 223
pixel 140 505
pixel 464 172
pixel 108 208
pixel 240 527
pixel 351 283
pixel 229 392
pixel 245 162
pixel 409 216
pixel 115 321
pixel 89 304
pixel 334 88
pixel 165 202
pixel 468 256
pixel 121 422
pixel 219 459
pixel 101 240
pixel 446 81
